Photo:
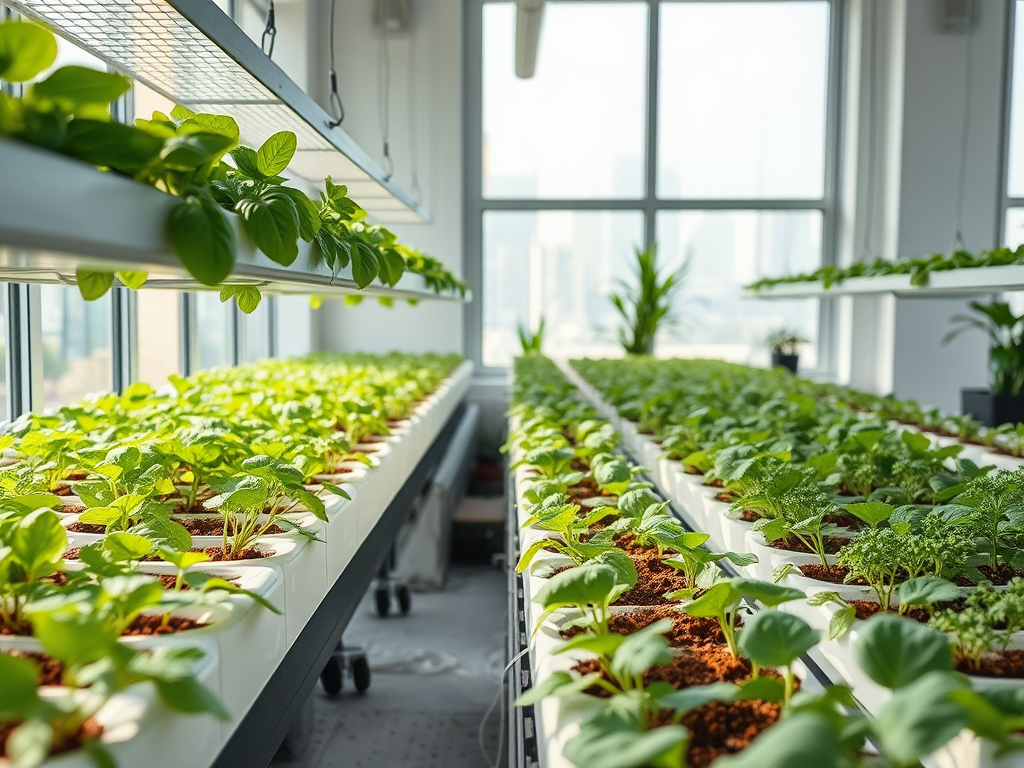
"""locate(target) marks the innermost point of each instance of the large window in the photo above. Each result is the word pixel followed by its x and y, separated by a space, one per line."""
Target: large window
pixel 77 344
pixel 1013 224
pixel 728 166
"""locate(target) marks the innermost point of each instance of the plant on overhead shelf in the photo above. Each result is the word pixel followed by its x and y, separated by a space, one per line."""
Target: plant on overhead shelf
pixel 183 154
pixel 1003 402
pixel 785 344
pixel 647 306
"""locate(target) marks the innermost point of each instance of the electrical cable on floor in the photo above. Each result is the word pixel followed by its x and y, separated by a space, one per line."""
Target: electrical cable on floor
pixel 958 238
pixel 337 106
pixel 498 698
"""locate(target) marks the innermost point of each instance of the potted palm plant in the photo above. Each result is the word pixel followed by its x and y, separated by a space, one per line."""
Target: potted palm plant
pixel 785 348
pixel 647 306
pixel 1003 401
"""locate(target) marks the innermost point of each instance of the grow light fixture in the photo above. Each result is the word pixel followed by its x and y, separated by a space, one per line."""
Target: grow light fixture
pixel 192 53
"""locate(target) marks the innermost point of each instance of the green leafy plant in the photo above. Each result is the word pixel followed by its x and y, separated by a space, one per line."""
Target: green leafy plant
pixel 783 341
pixel 648 305
pixel 774 639
pixel 987 620
pixel 723 601
pixel 531 342
pixel 1005 332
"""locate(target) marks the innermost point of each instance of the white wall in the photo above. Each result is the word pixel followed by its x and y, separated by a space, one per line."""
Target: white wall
pixel 893 345
pixel 428 57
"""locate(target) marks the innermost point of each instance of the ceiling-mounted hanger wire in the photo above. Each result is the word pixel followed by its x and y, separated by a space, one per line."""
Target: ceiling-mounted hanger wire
pixel 336 104
pixel 958 238
pixel 869 201
pixel 269 31
pixel 414 189
pixel 384 74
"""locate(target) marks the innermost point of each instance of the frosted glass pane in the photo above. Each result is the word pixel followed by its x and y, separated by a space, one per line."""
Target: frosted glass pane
pixel 214 334
pixel 560 265
pixel 159 334
pixel 576 128
pixel 742 100
pixel 76 336
pixel 1015 173
pixel 727 250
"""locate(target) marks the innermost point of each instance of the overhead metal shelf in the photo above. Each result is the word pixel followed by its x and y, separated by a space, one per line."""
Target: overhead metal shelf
pixel 952 282
pixel 195 55
pixel 58 214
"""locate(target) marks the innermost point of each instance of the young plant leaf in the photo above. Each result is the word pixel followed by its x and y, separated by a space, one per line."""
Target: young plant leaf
pixel 775 639
pixel 202 238
pixel 895 652
pixel 26 49
pixel 275 154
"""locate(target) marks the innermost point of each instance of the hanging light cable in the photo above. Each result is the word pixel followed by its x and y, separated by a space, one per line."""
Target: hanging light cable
pixel 269 31
pixel 414 188
pixel 384 105
pixel 958 238
pixel 337 106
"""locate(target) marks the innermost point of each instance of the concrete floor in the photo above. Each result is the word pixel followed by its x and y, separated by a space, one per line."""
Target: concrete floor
pixel 434 672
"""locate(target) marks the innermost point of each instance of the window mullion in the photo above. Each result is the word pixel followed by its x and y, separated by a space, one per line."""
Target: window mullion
pixel 651 169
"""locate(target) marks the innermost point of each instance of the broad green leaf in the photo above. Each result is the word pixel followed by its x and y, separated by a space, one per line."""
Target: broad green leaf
pixel 272 221
pixel 38 541
pixel 767 593
pixel 110 144
pixel 246 296
pixel 206 123
pixel 309 214
pixel 187 694
pixel 775 639
pixel 600 645
pixel 245 161
pixel 871 512
pixel 689 699
pixel 391 266
pixel 189 151
pixel 804 740
pixel 275 154
pixel 895 652
pixel 601 748
pixel 26 49
pixel 73 86
pixel 926 590
pixel 643 649
pixel 921 717
pixel 590 584
pixel 133 280
pixel 18 697
pixel 365 264
pixel 202 238
pixel 92 284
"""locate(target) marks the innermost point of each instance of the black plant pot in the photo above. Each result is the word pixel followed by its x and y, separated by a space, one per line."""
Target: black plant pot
pixel 789 362
pixel 992 410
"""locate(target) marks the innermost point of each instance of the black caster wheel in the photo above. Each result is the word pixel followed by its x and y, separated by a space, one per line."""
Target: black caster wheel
pixel 404 599
pixel 361 673
pixel 383 601
pixel 331 678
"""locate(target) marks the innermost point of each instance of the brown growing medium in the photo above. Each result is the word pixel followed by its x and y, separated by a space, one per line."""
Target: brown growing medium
pixel 89 730
pixel 726 497
pixel 1007 664
pixel 62 490
pixel 867 608
pixel 77 527
pixel 833 574
pixel 1000 577
pixel 72 509
pixel 654 579
pixel 687 631
pixel 832 545
pixel 749 516
pixel 717 728
pixel 154 625
pixel 217 554
pixel 212 526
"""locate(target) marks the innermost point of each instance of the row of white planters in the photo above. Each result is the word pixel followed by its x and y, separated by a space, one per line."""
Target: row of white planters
pixel 244 642
pixel 557 719
pixel 727 533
